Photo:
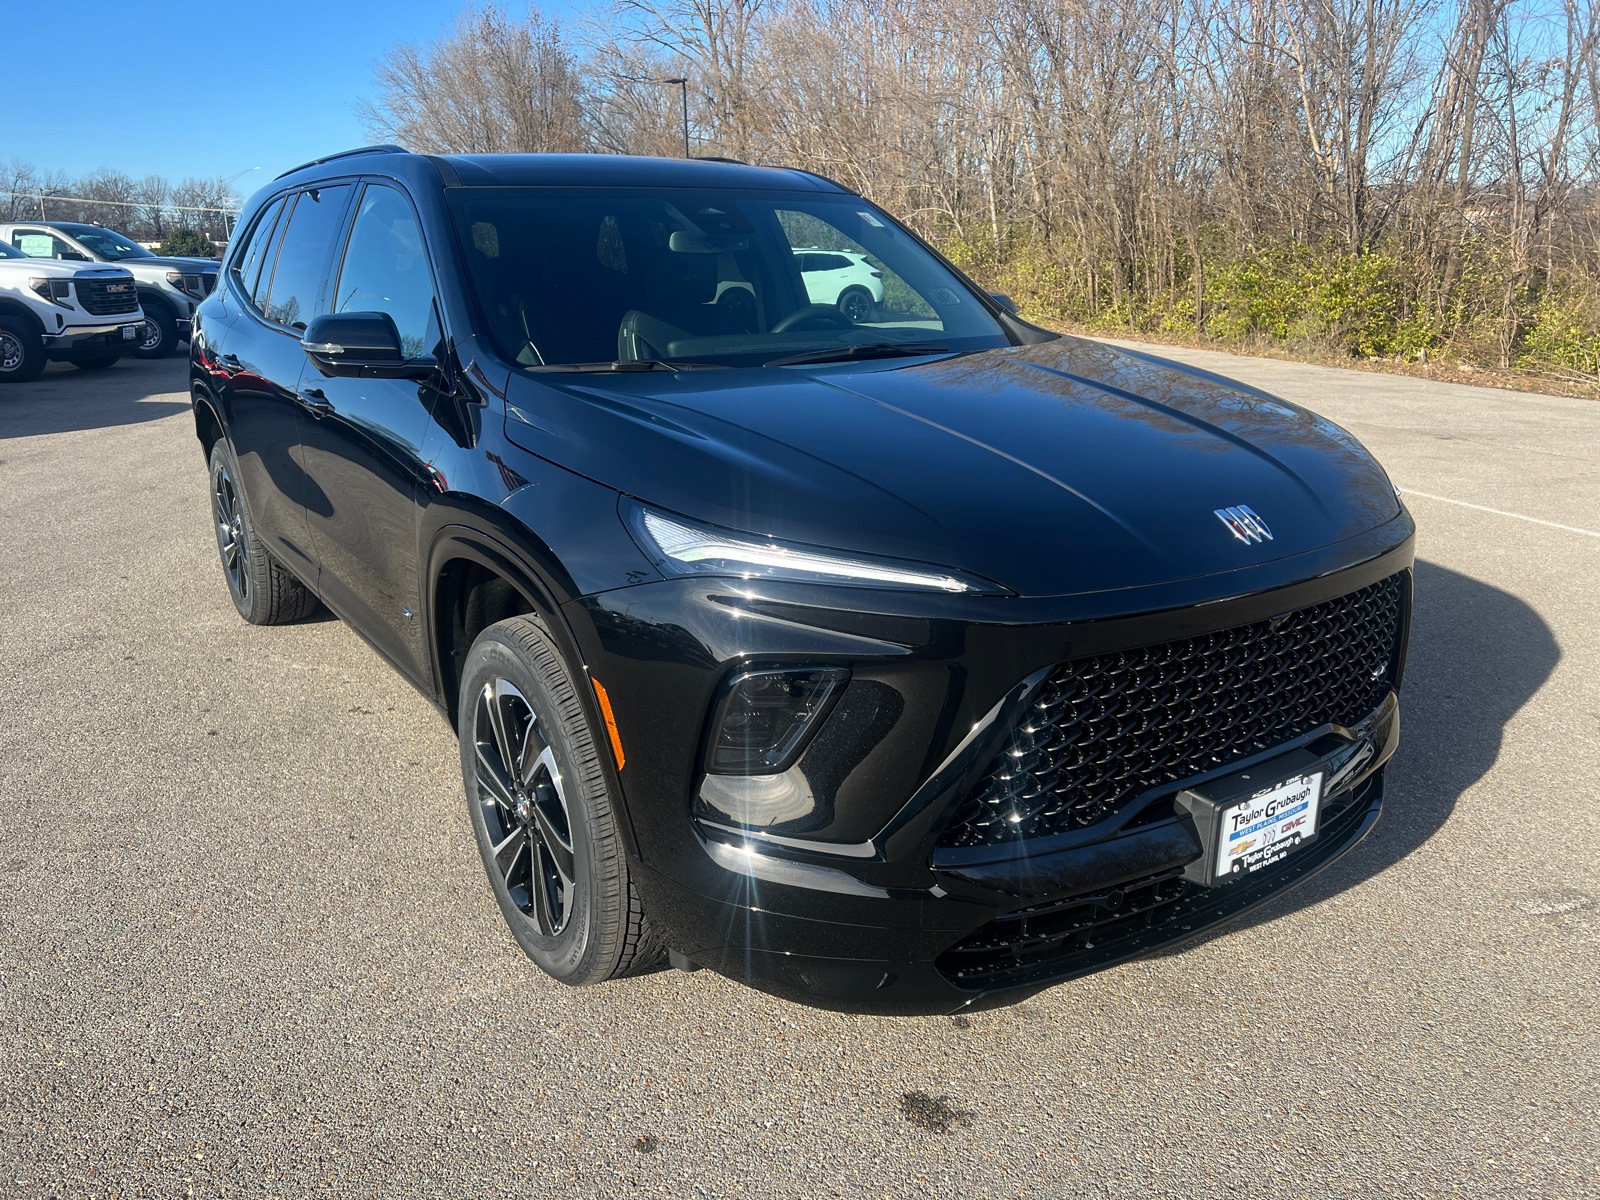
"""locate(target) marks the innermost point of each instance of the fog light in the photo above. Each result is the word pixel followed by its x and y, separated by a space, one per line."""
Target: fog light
pixel 765 718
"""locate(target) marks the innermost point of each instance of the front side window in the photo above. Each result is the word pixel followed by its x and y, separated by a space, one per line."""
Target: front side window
pixel 107 243
pixel 291 298
pixel 725 278
pixel 36 243
pixel 385 269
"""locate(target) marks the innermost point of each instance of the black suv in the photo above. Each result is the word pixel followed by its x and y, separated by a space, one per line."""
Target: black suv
pixel 888 653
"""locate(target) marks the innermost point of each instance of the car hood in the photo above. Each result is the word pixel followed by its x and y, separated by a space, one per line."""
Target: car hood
pixel 1060 468
pixel 56 269
pixel 189 265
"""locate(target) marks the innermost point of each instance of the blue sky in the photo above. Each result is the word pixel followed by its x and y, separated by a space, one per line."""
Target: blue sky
pixel 186 88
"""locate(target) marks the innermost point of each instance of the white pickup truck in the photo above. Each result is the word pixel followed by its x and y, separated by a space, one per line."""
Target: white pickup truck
pixel 169 288
pixel 82 313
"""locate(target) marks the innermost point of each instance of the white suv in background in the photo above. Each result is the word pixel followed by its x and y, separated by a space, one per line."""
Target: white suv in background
pixel 169 288
pixel 86 315
pixel 842 278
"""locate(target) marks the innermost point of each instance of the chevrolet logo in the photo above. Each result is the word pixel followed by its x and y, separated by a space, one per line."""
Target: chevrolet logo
pixel 1243 523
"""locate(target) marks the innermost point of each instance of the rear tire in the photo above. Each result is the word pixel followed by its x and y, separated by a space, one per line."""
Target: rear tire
pixel 263 590
pixel 542 811
pixel 160 336
pixel 21 351
pixel 856 303
pixel 96 364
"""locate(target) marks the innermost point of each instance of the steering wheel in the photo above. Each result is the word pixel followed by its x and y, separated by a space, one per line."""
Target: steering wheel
pixel 814 316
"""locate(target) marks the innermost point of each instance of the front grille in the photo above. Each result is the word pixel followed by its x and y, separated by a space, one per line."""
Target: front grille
pixel 107 297
pixel 1083 933
pixel 1101 730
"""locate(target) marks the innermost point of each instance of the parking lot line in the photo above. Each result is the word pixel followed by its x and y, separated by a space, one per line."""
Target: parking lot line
pixel 1500 512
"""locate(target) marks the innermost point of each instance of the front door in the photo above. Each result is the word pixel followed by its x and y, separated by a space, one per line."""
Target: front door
pixel 361 439
pixel 260 355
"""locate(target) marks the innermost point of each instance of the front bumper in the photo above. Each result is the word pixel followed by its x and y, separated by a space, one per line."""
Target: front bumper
pixel 96 339
pixel 855 905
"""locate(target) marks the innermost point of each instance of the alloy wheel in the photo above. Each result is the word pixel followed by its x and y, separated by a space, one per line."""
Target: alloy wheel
pixel 228 515
pixel 524 806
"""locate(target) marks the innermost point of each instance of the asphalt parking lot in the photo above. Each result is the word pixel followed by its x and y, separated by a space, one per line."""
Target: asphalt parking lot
pixel 246 947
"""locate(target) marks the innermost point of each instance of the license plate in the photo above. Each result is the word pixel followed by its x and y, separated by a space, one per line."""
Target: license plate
pixel 128 332
pixel 1271 824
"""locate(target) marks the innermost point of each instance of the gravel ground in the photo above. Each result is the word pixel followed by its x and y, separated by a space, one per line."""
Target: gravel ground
pixel 246 947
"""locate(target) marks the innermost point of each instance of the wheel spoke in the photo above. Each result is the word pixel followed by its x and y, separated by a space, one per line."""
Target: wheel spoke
pixel 491 775
pixel 508 851
pixel 560 852
pixel 534 750
pixel 497 728
pixel 542 910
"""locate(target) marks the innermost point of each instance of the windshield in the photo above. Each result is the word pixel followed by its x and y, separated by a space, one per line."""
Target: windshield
pixel 10 251
pixel 725 278
pixel 107 243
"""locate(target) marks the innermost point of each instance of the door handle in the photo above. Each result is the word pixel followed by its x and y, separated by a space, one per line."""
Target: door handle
pixel 230 362
pixel 314 402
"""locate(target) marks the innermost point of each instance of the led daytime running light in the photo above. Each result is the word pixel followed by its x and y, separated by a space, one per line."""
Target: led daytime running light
pixel 690 546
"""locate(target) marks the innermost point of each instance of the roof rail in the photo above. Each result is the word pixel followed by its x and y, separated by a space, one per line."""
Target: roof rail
pixel 738 162
pixel 384 149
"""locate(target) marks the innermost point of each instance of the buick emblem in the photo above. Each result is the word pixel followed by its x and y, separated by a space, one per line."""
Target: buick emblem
pixel 1243 523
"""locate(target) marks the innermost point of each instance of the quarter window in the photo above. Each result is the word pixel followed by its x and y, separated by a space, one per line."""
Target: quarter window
pixel 297 278
pixel 386 268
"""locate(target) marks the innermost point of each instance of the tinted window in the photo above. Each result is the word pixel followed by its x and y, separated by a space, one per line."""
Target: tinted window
pixel 576 276
pixel 248 264
pixel 107 243
pixel 386 269
pixel 297 277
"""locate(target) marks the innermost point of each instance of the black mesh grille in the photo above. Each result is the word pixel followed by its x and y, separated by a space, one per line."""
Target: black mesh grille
pixel 1084 933
pixel 1103 729
pixel 107 297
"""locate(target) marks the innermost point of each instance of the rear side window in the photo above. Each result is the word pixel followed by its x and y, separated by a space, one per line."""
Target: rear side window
pixel 36 244
pixel 297 276
pixel 248 265
pixel 386 269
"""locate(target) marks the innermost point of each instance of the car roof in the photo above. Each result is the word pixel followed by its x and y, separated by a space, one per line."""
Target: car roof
pixel 562 170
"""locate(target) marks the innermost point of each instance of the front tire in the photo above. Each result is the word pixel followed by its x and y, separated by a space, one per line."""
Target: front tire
pixel 21 351
pixel 160 337
pixel 263 590
pixel 542 811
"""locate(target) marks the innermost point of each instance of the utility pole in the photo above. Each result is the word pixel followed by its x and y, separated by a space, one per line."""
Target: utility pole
pixel 683 84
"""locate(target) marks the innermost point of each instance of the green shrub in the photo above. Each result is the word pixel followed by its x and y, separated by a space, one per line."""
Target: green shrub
pixel 187 243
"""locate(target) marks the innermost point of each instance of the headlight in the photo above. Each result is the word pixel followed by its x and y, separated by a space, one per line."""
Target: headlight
pixel 682 547
pixel 57 291
pixel 189 285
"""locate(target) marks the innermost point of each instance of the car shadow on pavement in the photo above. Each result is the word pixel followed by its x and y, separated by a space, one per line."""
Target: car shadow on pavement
pixel 1477 655
pixel 68 400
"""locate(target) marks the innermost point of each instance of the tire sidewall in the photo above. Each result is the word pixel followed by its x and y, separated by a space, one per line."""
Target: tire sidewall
pixel 222 457
pixel 33 360
pixel 169 335
pixel 570 956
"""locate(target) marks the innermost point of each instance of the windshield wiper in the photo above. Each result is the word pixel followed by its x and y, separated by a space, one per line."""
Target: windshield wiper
pixel 624 366
pixel 864 350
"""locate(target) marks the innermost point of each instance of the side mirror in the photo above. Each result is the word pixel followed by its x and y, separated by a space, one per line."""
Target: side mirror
pixel 363 344
pixel 1005 302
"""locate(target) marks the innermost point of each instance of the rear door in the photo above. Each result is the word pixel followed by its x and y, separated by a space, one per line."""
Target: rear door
pixel 361 439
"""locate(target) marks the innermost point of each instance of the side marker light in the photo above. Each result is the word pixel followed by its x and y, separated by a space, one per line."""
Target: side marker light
pixel 611 721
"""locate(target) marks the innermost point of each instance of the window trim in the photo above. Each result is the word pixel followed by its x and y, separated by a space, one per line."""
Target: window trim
pixel 342 221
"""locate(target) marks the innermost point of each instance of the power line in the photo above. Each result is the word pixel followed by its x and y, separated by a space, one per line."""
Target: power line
pixel 41 197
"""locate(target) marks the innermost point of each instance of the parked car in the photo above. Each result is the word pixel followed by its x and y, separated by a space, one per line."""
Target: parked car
pixel 60 312
pixel 904 668
pixel 169 288
pixel 842 278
